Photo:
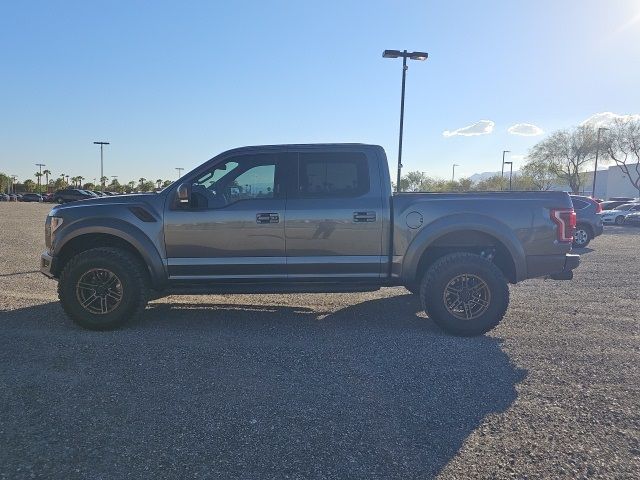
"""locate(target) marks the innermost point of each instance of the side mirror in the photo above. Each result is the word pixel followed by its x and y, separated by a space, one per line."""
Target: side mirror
pixel 183 194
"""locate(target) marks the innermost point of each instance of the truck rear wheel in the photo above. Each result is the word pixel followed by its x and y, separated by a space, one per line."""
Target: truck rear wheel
pixel 103 288
pixel 464 294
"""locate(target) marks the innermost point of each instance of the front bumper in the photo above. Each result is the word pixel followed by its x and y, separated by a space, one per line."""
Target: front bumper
pixel 571 262
pixel 47 264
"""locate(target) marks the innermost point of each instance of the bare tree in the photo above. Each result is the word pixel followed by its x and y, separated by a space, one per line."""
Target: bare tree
pixel 622 145
pixel 539 174
pixel 567 152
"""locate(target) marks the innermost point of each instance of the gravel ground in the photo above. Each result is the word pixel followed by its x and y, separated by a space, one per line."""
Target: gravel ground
pixel 321 386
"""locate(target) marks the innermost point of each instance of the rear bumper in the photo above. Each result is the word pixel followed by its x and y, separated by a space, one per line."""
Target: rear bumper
pixel 571 262
pixel 598 229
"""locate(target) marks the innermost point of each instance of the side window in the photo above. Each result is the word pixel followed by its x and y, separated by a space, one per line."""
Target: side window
pixel 332 175
pixel 246 177
pixel 579 204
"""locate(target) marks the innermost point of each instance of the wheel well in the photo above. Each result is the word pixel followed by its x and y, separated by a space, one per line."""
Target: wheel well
pixel 88 241
pixel 471 241
pixel 587 227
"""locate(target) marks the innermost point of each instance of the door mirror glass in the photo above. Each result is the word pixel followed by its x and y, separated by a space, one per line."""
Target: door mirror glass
pixel 183 194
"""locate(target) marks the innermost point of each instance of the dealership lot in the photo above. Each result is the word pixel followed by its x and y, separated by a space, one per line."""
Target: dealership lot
pixel 321 386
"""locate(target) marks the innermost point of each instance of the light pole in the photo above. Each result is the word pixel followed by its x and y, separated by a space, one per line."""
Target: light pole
pixel 179 169
pixel 595 168
pixel 453 174
pixel 413 56
pixel 102 144
pixel 40 175
pixel 510 171
pixel 502 174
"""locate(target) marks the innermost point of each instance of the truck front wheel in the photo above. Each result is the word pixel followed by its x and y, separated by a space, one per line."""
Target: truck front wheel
pixel 464 294
pixel 103 288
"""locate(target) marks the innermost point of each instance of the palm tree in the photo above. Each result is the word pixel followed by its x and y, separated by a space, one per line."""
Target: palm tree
pixel 46 174
pixel 38 175
pixel 142 180
pixel 159 182
pixel 103 180
pixel 80 179
pixel 131 184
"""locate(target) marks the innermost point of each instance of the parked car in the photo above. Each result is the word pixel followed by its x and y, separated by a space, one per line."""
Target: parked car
pixel 71 195
pixel 32 197
pixel 306 218
pixel 611 204
pixel 624 199
pixel 97 193
pixel 633 219
pixel 588 220
pixel 47 197
pixel 617 215
pixel 4 197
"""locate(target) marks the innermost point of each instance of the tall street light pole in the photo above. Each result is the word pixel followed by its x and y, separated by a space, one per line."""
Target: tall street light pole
pixel 40 165
pixel 510 171
pixel 102 144
pixel 502 174
pixel 179 169
pixel 413 56
pixel 595 168
pixel 453 174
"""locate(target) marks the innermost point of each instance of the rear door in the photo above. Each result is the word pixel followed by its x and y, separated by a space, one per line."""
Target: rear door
pixel 334 218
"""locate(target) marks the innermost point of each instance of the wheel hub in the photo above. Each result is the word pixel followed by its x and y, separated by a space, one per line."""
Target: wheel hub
pixel 99 291
pixel 466 296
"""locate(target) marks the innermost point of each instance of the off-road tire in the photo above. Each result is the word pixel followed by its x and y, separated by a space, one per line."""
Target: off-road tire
pixel 450 267
pixel 413 288
pixel 132 277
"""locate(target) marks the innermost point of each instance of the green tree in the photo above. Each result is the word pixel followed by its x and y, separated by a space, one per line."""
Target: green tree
pixel 539 173
pixel 492 184
pixel 5 182
pixel 46 174
pixel 89 186
pixel 29 185
pixel 38 178
pixel 166 183
pixel 147 186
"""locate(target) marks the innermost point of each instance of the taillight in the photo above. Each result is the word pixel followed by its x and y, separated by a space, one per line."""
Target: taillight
pixel 565 219
pixel 598 207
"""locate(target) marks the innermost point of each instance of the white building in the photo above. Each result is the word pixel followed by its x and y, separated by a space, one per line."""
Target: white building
pixel 612 182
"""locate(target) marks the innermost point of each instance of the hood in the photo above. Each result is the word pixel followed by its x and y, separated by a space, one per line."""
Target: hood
pixel 116 200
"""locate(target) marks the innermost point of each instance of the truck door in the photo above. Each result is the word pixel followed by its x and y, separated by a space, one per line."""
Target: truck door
pixel 233 227
pixel 334 218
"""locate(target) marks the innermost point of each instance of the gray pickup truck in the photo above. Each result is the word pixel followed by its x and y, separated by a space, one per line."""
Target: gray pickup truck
pixel 305 218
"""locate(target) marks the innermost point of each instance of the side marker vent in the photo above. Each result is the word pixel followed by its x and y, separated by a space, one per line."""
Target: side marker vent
pixel 142 214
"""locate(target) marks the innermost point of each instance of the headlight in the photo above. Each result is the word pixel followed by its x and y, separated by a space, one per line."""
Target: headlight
pixel 55 223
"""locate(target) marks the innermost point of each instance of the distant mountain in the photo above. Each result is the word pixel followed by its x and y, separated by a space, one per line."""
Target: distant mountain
pixel 478 177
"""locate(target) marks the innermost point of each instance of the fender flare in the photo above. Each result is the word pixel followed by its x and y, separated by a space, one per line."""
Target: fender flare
pixel 461 222
pixel 125 231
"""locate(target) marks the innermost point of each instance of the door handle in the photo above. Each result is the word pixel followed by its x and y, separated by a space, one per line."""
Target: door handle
pixel 364 217
pixel 267 218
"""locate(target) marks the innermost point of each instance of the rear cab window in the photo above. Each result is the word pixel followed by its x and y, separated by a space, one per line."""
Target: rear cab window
pixel 331 175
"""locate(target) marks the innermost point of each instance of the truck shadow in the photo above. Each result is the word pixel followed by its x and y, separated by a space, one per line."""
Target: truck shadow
pixel 259 390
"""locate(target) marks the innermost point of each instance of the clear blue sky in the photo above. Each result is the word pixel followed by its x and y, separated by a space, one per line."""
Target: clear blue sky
pixel 171 84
